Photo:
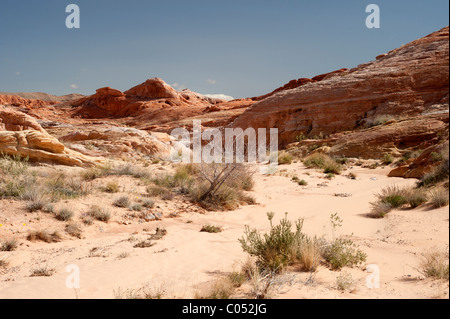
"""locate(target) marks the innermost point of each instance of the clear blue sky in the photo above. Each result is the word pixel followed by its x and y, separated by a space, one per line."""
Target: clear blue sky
pixel 236 47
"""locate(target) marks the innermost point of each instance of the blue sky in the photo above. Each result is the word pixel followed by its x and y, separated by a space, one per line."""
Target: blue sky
pixel 240 48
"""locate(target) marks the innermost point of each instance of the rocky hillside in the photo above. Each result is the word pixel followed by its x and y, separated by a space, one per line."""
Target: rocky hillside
pixel 21 135
pixel 410 81
pixel 31 100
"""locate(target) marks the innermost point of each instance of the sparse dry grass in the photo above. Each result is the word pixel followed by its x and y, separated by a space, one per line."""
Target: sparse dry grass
pixel 439 197
pixel 74 230
pixel 43 271
pixel 45 236
pixel 211 229
pixel 9 245
pixel 64 214
pixel 435 264
pixel 97 213
pixel 122 202
pixel 323 162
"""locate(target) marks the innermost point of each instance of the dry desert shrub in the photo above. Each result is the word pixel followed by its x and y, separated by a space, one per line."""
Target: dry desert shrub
pixel 439 173
pixel 3 263
pixel 439 197
pixel 282 247
pixel 43 271
pixel 212 186
pixel 146 292
pixel 435 264
pixel 61 187
pixel 416 197
pixel 111 187
pixel 387 159
pixel 285 158
pixel 45 236
pixel 97 213
pixel 122 202
pixel 344 282
pixel 9 245
pixel 222 288
pixel 74 230
pixel 323 162
pixel 64 214
pixel 390 197
pixel 211 229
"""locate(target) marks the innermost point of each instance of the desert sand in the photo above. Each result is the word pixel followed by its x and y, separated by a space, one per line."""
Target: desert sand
pixel 186 261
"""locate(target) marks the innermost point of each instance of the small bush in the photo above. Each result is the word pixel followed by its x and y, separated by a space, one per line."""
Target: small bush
pixel 211 229
pixel 144 244
pixel 98 213
pixel 74 230
pixel 387 159
pixel 393 195
pixel 439 197
pixel 42 272
pixel 344 282
pixel 309 254
pixel 343 253
pixel 112 187
pixel 285 158
pixel 87 220
pixel 92 174
pixel 277 249
pixel 323 162
pixel 435 264
pixel 439 173
pixel 137 208
pixel 122 202
pixel 159 191
pixel 44 236
pixel 62 187
pixel 148 203
pixel 380 209
pixel 9 245
pixel 416 197
pixel 13 166
pixel 303 183
pixel 34 206
pixel 64 214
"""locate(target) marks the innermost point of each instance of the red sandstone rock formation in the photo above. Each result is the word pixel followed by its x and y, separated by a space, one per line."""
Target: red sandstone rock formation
pixel 300 82
pixel 19 101
pixel 408 81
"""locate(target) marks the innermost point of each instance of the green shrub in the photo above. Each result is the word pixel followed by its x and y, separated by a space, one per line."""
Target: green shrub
pixel 285 158
pixel 324 162
pixel 277 249
pixel 343 253
pixel 387 159
pixel 303 183
pixel 393 195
